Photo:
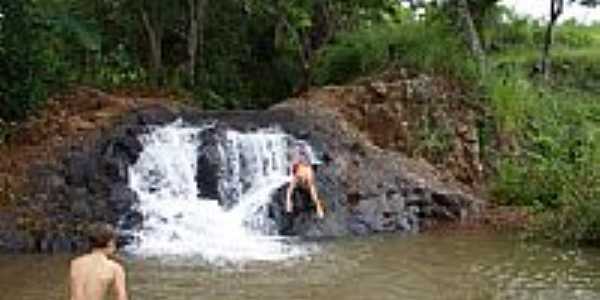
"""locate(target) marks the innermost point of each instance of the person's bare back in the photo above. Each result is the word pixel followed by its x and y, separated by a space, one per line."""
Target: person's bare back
pixel 303 176
pixel 94 274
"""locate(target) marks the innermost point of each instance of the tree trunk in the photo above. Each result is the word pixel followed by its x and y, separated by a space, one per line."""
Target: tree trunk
pixel 471 34
pixel 319 34
pixel 192 40
pixel 556 9
pixel 195 36
pixel 202 15
pixel 154 30
pixel 305 54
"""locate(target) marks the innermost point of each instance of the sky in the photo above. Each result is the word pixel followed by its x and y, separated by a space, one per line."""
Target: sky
pixel 541 9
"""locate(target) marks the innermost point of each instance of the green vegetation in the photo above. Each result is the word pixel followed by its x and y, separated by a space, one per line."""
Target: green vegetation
pixel 546 143
pixel 554 130
pixel 21 84
pixel 229 54
pixel 423 46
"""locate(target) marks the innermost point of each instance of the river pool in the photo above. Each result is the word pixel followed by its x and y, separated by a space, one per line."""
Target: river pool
pixel 455 265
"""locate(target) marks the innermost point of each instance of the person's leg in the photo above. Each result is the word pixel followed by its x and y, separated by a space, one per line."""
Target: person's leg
pixel 316 200
pixel 288 196
pixel 288 205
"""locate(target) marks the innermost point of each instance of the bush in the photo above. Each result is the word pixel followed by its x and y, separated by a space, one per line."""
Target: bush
pixel 579 68
pixel 553 168
pixel 572 35
pixel 578 219
pixel 21 80
pixel 428 47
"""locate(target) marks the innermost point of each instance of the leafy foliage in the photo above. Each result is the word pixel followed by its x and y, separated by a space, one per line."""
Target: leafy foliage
pixel 426 46
pixel 21 60
pixel 554 168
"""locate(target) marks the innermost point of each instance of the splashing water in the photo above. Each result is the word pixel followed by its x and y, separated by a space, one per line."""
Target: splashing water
pixel 178 222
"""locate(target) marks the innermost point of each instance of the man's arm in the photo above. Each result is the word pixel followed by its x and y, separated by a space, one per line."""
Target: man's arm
pixel 119 283
pixel 288 196
pixel 74 284
pixel 318 202
pixel 313 194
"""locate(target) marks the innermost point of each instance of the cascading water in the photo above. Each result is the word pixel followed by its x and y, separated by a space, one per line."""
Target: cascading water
pixel 178 222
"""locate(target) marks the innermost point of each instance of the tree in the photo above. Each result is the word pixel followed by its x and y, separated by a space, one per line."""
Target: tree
pixel 556 10
pixel 471 33
pixel 312 29
pixel 197 18
pixel 312 24
pixel 469 16
pixel 22 71
pixel 156 16
pixel 153 23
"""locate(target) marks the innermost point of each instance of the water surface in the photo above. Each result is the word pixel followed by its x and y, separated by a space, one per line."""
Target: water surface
pixel 430 266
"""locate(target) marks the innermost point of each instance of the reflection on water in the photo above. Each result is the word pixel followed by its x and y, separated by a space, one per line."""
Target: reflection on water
pixel 431 266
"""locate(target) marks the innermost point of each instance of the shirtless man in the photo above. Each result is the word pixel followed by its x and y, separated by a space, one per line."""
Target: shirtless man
pixel 304 176
pixel 93 274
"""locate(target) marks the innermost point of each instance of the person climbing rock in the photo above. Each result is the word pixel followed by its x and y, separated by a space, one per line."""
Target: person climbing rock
pixel 93 274
pixel 303 176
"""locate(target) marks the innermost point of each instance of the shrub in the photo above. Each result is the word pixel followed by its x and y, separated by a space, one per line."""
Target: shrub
pixel 428 47
pixel 21 80
pixel 554 166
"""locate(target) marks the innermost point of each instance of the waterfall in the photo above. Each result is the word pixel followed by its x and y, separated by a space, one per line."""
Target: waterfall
pixel 178 222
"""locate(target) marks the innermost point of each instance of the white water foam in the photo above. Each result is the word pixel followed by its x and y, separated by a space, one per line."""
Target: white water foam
pixel 177 222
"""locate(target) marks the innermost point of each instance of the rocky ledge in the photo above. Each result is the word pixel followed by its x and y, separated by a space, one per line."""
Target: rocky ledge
pixel 366 189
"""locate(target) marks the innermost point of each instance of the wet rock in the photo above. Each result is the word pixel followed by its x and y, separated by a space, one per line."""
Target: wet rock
pixel 131 220
pixel 209 168
pixel 80 168
pixel 122 198
pixel 154 116
pixel 366 189
pixel 16 241
pixel 124 148
pixel 46 178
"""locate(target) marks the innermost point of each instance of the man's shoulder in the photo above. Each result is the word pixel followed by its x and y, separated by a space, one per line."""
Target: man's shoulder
pixel 116 266
pixel 78 260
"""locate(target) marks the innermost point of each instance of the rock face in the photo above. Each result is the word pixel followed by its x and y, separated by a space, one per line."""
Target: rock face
pixel 87 184
pixel 366 189
pixel 418 115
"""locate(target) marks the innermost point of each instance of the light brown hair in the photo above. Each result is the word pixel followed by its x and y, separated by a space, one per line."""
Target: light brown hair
pixel 101 234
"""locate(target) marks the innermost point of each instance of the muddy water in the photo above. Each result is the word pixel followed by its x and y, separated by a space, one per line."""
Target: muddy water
pixel 431 266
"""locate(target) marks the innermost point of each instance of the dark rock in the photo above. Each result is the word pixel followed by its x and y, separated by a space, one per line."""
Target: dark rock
pixel 131 220
pixel 80 168
pixel 126 147
pixel 16 241
pixel 122 199
pixel 209 168
pixel 358 226
pixel 46 179
pixel 154 116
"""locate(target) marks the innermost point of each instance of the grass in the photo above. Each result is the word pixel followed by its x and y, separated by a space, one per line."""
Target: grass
pixel 553 170
pixel 427 47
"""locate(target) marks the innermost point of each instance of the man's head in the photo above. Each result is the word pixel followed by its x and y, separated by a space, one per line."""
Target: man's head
pixel 103 236
pixel 300 152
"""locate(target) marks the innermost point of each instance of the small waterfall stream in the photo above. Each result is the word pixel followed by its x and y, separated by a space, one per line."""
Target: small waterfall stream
pixel 178 222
